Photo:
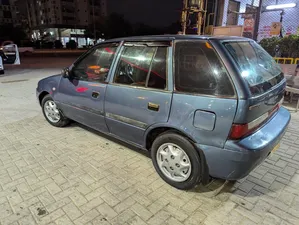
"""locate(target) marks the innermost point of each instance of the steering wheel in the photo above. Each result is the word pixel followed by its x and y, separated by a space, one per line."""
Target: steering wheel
pixel 129 72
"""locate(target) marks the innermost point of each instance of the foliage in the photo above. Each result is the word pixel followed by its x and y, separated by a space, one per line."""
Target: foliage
pixel 116 26
pixel 48 45
pixel 269 44
pixel 71 44
pixel 288 45
pixel 15 34
pixel 58 44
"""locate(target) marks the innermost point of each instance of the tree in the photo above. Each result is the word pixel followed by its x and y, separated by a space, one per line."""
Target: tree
pixel 143 29
pixel 15 34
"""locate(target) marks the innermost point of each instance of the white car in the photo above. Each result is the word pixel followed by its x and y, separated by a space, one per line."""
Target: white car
pixel 9 54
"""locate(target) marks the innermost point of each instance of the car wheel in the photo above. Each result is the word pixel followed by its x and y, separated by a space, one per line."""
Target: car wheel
pixel 2 72
pixel 176 161
pixel 52 114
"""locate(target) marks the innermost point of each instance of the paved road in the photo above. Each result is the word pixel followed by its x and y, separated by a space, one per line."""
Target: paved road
pixel 75 176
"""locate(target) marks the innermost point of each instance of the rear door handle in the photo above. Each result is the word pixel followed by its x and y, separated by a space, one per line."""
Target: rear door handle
pixel 153 106
pixel 95 94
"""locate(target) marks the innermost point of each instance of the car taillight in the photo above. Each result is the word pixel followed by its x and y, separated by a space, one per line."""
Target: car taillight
pixel 240 130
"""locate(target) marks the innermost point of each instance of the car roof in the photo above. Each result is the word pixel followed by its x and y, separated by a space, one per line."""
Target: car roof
pixel 175 37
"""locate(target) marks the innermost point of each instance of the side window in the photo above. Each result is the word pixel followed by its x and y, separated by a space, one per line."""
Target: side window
pixel 142 66
pixel 157 76
pixel 199 70
pixel 95 66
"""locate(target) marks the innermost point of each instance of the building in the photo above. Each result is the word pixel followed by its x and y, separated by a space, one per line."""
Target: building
pixel 62 19
pixel 8 13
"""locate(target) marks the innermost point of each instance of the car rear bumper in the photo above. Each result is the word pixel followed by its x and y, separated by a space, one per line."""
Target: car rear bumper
pixel 238 158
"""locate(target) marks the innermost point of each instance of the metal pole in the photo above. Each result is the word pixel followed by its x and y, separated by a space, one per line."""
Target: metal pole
pixel 215 13
pixel 94 24
pixel 257 21
pixel 205 16
pixel 184 16
pixel 199 18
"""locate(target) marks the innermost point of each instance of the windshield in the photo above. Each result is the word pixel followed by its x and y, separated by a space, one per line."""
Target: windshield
pixel 256 66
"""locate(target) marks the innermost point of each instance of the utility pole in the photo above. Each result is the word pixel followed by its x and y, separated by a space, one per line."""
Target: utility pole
pixel 94 23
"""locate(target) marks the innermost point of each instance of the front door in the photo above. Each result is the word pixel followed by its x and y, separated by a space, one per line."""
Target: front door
pixel 81 97
pixel 137 95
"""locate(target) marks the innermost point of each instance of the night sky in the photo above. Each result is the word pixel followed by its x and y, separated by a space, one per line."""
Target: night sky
pixel 156 13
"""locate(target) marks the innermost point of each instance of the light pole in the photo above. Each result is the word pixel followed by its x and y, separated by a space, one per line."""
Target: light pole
pixel 94 24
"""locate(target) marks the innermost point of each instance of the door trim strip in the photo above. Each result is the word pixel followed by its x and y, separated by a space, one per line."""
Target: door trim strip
pixel 123 119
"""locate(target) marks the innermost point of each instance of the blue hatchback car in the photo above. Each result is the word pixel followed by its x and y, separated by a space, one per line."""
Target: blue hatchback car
pixel 203 106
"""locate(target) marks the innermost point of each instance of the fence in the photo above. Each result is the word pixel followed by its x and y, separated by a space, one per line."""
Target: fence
pixel 286 60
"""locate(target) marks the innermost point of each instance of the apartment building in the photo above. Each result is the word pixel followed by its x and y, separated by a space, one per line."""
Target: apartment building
pixel 62 19
pixel 8 13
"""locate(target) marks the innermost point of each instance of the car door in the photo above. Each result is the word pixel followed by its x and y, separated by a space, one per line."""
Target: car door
pixel 81 96
pixel 137 95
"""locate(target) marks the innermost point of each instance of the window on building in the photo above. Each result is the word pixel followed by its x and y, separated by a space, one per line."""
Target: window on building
pixel 7 14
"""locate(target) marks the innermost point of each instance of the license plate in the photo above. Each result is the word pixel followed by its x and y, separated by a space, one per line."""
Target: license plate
pixel 275 148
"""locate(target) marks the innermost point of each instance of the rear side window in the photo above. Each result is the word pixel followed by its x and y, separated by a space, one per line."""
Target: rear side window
pixel 256 66
pixel 199 70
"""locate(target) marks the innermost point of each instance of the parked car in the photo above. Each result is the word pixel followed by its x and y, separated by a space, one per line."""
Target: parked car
pixel 9 54
pixel 203 106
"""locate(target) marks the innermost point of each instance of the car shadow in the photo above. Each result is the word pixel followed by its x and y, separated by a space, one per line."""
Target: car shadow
pixel 214 188
pixel 110 138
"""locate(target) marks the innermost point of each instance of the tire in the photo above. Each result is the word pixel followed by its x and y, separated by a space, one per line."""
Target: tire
pixel 192 176
pixel 2 72
pixel 60 120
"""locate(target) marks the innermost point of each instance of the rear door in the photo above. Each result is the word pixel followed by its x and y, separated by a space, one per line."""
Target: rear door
pixel 262 77
pixel 204 102
pixel 137 95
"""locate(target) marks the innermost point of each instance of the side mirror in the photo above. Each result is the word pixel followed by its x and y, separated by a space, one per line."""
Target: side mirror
pixel 66 73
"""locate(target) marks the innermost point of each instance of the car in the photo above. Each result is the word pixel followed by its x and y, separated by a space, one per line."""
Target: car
pixel 9 54
pixel 204 107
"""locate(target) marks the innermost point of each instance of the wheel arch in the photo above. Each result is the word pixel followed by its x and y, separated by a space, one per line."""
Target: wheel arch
pixel 42 95
pixel 154 131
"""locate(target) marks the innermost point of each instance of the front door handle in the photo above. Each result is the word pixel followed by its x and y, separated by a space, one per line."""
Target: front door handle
pixel 153 106
pixel 95 94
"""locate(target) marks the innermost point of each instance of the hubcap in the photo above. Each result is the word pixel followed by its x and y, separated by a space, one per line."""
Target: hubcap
pixel 174 162
pixel 51 111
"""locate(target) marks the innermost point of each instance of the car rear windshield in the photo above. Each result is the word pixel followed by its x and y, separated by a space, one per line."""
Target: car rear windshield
pixel 256 66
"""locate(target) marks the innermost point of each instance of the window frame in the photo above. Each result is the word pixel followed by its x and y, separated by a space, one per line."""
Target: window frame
pixel 159 43
pixel 118 46
pixel 234 96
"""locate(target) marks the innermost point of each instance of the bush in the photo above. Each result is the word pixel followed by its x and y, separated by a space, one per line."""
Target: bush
pixel 58 44
pixel 48 45
pixel 288 46
pixel 71 44
pixel 269 44
pixel 38 44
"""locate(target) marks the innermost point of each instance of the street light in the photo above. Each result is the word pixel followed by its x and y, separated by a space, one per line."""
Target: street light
pixel 281 6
